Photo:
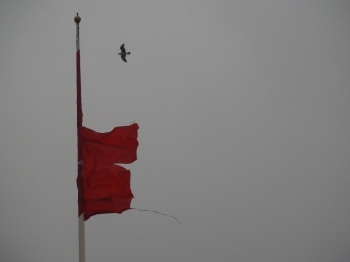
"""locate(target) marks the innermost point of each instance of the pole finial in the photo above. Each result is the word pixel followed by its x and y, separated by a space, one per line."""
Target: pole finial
pixel 77 19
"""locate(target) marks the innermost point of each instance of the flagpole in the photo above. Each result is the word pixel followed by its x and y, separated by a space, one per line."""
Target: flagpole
pixel 80 181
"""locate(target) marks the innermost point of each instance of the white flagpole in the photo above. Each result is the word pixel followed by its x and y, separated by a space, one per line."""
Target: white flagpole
pixel 81 238
pixel 80 151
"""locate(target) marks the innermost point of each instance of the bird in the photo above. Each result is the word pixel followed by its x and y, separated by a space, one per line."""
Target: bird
pixel 123 53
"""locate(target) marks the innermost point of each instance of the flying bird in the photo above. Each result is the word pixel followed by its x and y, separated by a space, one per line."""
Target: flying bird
pixel 123 53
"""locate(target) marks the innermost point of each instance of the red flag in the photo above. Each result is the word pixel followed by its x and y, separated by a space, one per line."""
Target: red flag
pixel 117 146
pixel 106 187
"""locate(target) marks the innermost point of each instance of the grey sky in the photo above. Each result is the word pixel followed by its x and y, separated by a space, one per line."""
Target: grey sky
pixel 243 108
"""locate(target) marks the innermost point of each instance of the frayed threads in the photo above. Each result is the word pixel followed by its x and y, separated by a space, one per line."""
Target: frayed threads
pixel 157 213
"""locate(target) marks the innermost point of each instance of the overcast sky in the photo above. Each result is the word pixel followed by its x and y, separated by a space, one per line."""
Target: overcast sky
pixel 243 108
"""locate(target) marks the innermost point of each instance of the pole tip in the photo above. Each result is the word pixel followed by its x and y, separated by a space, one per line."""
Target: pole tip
pixel 77 19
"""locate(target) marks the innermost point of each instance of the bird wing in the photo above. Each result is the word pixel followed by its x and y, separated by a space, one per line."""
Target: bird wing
pixel 122 48
pixel 123 57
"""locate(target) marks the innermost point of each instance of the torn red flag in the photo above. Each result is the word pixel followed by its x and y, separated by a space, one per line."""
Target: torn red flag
pixel 105 187
pixel 117 146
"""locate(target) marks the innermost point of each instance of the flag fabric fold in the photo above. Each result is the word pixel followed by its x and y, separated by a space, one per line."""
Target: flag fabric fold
pixel 104 185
